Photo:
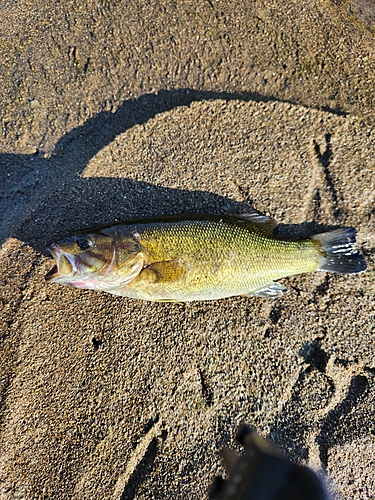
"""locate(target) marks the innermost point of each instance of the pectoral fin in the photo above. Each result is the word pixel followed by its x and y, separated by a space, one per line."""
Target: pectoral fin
pixel 270 290
pixel 164 271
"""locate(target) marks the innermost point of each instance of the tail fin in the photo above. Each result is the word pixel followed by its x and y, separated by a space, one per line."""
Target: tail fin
pixel 339 254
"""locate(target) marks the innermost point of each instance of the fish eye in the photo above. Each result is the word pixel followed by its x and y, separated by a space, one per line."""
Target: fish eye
pixel 84 242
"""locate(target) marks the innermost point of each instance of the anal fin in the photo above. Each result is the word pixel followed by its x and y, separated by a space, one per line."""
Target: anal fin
pixel 269 290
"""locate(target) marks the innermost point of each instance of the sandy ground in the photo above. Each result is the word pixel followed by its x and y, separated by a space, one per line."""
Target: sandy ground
pixel 125 109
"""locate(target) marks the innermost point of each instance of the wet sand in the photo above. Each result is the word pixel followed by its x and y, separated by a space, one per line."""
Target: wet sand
pixel 115 110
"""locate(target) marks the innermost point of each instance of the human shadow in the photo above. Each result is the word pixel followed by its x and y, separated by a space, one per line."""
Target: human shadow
pixel 45 196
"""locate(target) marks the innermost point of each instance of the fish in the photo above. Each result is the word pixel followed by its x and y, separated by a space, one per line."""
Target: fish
pixel 183 258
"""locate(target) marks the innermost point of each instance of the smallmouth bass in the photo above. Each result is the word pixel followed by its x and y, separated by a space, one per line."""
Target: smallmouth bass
pixel 197 257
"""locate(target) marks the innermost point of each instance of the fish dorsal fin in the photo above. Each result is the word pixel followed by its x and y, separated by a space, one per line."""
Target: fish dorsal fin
pixel 270 290
pixel 164 271
pixel 267 224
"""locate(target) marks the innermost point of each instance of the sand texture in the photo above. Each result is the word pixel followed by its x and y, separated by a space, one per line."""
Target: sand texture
pixel 113 110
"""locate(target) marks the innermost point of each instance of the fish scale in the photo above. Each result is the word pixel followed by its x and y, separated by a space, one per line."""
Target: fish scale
pixel 226 257
pixel 197 257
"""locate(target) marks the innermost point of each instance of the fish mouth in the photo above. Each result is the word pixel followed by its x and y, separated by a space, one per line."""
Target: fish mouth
pixel 64 266
pixel 52 273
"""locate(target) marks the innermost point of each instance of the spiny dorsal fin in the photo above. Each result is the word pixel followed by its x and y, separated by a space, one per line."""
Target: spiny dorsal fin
pixel 267 224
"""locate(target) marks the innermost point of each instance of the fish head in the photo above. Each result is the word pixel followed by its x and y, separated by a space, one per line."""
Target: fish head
pixel 94 261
